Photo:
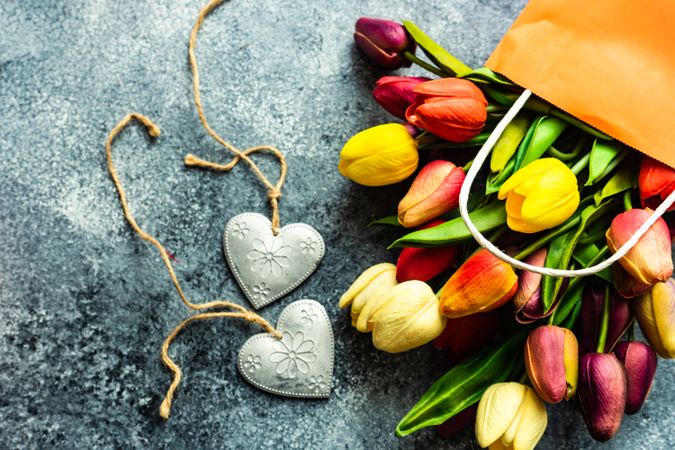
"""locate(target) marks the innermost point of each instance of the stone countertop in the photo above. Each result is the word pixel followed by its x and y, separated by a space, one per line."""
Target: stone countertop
pixel 86 304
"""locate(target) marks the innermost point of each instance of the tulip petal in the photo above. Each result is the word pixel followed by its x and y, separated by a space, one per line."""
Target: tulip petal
pixel 528 282
pixel 640 362
pixel 545 362
pixel 363 281
pixel 532 423
pixel 497 409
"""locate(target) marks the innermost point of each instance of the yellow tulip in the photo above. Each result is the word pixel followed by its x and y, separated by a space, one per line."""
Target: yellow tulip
pixel 381 155
pixel 366 293
pixel 408 317
pixel 540 196
pixel 510 416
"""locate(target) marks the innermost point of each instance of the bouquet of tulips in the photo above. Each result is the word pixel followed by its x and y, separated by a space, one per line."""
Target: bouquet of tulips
pixel 558 193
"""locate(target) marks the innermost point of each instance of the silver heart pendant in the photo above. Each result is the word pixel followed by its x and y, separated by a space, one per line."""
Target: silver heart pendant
pixel 267 267
pixel 300 364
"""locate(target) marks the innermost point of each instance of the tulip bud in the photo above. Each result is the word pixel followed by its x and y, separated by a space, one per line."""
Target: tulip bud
pixel 395 94
pixel 451 108
pixel 367 292
pixel 540 196
pixel 602 394
pixel 435 191
pixel 383 42
pixel 590 319
pixel 463 337
pixel 425 263
pixel 458 422
pixel 625 285
pixel 655 312
pixel 407 318
pixel 552 362
pixel 381 155
pixel 510 415
pixel 484 282
pixel 655 181
pixel 527 303
pixel 639 360
pixel 650 261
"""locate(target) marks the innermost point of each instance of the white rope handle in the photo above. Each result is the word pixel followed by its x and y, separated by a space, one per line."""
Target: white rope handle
pixel 482 240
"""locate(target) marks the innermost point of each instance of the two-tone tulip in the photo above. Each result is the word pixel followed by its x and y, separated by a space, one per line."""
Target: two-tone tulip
pixel 452 108
pixel 381 155
pixel 602 394
pixel 527 303
pixel 407 318
pixel 366 293
pixel 383 42
pixel 425 263
pixel 540 196
pixel 650 260
pixel 655 182
pixel 465 336
pixel 590 319
pixel 510 416
pixel 639 360
pixel 552 362
pixel 655 312
pixel 483 283
pixel 434 191
pixel 626 285
pixel 396 94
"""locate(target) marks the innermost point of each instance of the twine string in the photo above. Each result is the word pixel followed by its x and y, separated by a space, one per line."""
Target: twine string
pixel 273 189
pixel 238 311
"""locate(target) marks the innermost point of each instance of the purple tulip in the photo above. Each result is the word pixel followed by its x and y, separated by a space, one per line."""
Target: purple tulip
pixel 383 42
pixel 602 394
pixel 590 319
pixel 639 360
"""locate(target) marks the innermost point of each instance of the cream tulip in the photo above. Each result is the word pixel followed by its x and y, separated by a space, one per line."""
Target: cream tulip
pixel 367 292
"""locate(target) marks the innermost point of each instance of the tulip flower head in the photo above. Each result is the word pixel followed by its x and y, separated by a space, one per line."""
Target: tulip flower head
pixel 367 292
pixel 590 319
pixel 451 108
pixel 650 260
pixel 381 155
pixel 467 335
pixel 655 312
pixel 510 416
pixel 434 191
pixel 408 318
pixel 602 394
pixel 484 282
pixel 527 303
pixel 639 360
pixel 425 263
pixel 540 196
pixel 383 42
pixel 395 94
pixel 655 181
pixel 552 362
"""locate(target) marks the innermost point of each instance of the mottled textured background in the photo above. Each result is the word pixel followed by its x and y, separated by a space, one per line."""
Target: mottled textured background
pixel 85 304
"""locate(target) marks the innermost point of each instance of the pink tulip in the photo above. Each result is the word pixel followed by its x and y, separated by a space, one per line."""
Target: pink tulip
pixel 395 94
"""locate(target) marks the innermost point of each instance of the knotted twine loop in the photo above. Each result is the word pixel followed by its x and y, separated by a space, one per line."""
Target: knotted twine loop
pixel 485 243
pixel 273 190
pixel 238 312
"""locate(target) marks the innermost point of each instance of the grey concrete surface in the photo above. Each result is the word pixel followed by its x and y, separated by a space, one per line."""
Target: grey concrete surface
pixel 85 304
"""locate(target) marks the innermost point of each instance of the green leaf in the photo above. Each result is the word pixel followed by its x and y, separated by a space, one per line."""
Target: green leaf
pixel 508 142
pixel 485 75
pixel 603 155
pixel 440 56
pixel 391 221
pixel 622 180
pixel 495 180
pixel 584 254
pixel 498 96
pixel 454 231
pixel 464 384
pixel 542 134
pixel 568 304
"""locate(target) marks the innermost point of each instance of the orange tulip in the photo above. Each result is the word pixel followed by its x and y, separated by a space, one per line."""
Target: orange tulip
pixel 656 181
pixel 435 191
pixel 484 282
pixel 451 108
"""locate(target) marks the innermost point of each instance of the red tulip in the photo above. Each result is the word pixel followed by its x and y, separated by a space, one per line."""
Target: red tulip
pixel 383 42
pixel 425 263
pixel 655 181
pixel 458 422
pixel 639 360
pixel 395 94
pixel 452 108
pixel 590 319
pixel 465 336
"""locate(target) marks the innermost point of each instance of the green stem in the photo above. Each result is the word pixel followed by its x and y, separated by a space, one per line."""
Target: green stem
pixel 571 155
pixel 581 164
pixel 598 256
pixel 627 200
pixel 602 339
pixel 631 331
pixel 467 166
pixel 536 245
pixel 494 108
pixel 425 65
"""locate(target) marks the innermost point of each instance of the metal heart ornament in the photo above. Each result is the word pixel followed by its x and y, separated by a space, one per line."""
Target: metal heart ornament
pixel 267 267
pixel 298 365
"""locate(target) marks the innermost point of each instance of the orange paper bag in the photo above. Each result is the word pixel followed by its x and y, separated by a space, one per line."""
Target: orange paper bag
pixel 610 63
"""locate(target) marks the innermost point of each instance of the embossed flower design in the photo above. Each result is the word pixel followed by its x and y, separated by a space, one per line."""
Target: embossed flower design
pixel 252 363
pixel 240 229
pixel 308 245
pixel 308 317
pixel 293 354
pixel 261 291
pixel 269 257
pixel 316 383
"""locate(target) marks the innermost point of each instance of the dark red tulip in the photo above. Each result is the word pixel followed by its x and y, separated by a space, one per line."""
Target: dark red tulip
pixel 425 263
pixel 465 336
pixel 639 360
pixel 655 181
pixel 590 319
pixel 602 394
pixel 395 94
pixel 458 422
pixel 383 42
